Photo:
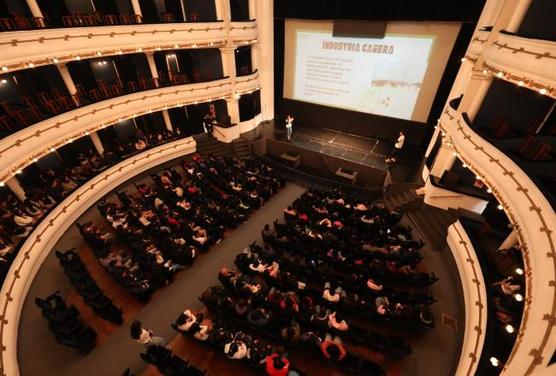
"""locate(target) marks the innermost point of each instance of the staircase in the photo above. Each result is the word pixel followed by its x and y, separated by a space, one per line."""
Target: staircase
pixel 241 148
pixel 431 222
pixel 207 145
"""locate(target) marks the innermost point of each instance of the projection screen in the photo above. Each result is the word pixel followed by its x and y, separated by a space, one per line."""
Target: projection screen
pixel 395 76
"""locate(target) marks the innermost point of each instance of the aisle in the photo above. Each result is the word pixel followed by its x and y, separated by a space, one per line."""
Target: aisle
pixel 45 357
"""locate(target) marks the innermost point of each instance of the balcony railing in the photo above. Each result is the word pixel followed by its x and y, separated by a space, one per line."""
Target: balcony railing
pixel 533 220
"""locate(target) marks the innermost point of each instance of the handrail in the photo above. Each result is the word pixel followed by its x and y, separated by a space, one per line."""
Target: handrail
pixel 533 220
pixel 447 196
pixel 44 237
pixel 475 298
pixel 33 48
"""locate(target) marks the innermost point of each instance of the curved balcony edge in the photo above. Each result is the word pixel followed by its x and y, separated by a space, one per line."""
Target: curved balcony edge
pixel 44 237
pixel 534 221
pixel 33 48
pixel 525 61
pixel 477 44
pixel 23 147
pixel 475 298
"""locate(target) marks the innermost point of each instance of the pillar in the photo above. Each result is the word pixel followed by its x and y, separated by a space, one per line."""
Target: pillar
pixel 474 95
pixel 252 10
pixel 228 62
pixel 36 11
pixel 218 5
pixel 68 81
pixel 510 241
pixel 255 51
pixel 233 110
pixel 443 162
pixel 152 67
pixel 167 120
pixel 265 26
pixel 137 9
pixel 97 143
pixel 519 12
pixel 16 189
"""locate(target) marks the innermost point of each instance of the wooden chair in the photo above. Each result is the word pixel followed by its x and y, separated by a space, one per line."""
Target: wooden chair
pixel 193 17
pixel 7 24
pixel 6 124
pixel 167 17
pixel 111 19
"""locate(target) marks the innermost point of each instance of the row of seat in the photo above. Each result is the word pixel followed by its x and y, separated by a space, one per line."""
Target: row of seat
pixel 86 286
pixel 65 324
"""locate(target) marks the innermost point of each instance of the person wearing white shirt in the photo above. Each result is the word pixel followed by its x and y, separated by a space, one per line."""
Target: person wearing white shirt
pixel 397 147
pixel 289 126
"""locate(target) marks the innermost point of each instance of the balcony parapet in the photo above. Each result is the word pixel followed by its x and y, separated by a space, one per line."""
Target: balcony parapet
pixel 27 49
pixel 44 237
pixel 30 144
pixel 478 43
pixel 534 221
pixel 524 61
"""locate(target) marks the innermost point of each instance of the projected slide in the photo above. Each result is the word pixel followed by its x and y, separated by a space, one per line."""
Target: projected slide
pixel 378 76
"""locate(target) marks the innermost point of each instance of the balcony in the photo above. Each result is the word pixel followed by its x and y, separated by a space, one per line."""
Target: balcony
pixel 533 219
pixel 27 49
pixel 37 140
pixel 523 61
pixel 477 44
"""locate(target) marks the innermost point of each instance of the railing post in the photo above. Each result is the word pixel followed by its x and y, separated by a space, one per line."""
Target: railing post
pixel 167 120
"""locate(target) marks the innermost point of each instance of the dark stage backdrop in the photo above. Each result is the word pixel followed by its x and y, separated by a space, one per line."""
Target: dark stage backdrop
pixel 369 125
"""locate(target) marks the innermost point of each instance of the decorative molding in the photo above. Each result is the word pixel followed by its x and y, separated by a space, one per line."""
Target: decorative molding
pixel 32 48
pixel 29 144
pixel 475 298
pixel 533 219
pixel 44 237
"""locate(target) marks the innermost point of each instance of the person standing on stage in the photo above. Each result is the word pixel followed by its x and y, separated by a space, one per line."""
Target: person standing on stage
pixel 289 126
pixel 397 147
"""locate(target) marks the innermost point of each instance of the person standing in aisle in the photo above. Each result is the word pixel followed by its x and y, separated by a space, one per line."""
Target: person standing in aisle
pixel 397 147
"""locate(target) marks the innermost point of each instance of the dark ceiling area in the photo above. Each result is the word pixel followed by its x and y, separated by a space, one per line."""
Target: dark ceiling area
pixel 410 10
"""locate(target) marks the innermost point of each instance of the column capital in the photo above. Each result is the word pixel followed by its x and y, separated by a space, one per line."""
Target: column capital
pixel 227 49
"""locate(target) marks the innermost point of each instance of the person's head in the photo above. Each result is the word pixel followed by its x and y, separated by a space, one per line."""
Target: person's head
pixel 339 317
pixel 401 133
pixel 266 227
pixel 135 329
pixel 182 319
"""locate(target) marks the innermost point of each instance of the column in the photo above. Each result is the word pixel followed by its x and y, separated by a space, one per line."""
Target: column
pixel 255 51
pixel 228 62
pixel 167 120
pixel 233 110
pixel 443 162
pixel 265 27
pixel 519 12
pixel 36 11
pixel 137 9
pixel 509 242
pixel 474 95
pixel 16 189
pixel 68 81
pixel 218 5
pixel 97 143
pixel 252 10
pixel 152 67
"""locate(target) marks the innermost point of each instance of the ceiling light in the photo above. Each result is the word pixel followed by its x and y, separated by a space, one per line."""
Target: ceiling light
pixel 2 183
pixel 542 91
pixel 485 71
pixel 499 74
pixel 500 207
pixel 510 329
pixel 176 45
pixel 519 271
pixel 18 171
pixel 55 60
pixel 77 57
pixel 518 297
pixel 489 190
pixel 158 48
pixel 4 81
pixel 463 59
pixel 31 65
pixel 494 361
pixel 521 83
pixel 140 49
pixel 120 52
pixel 99 53
pixel 4 69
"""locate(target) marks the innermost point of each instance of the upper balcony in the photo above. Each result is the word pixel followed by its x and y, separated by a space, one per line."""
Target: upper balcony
pixel 26 49
pixel 523 61
pixel 533 220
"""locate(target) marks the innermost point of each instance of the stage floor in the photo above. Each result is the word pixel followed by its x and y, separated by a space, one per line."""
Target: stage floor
pixel 365 151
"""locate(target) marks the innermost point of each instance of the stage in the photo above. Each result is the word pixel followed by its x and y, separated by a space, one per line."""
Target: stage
pixel 322 151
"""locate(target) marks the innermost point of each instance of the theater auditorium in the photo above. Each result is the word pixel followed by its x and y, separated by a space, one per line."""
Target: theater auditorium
pixel 277 187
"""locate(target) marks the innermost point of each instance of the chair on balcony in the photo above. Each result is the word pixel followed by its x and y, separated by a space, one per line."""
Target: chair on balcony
pixel 32 108
pixel 7 24
pixel 6 125
pixel 99 18
pixel 22 22
pixel 117 90
pixel 21 118
pixel 196 75
pixel 104 89
pixel 111 19
pixel 531 149
pixel 95 95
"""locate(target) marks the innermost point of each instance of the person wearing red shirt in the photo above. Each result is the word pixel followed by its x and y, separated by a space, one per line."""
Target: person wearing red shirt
pixel 275 365
pixel 333 349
